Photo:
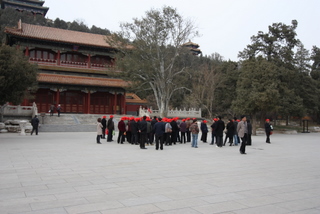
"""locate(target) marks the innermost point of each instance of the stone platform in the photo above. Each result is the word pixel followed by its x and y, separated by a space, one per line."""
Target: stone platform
pixel 68 173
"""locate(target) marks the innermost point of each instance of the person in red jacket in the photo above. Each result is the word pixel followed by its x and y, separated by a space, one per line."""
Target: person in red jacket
pixel 122 130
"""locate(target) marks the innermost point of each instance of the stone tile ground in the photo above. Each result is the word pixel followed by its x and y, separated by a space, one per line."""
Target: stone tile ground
pixel 68 173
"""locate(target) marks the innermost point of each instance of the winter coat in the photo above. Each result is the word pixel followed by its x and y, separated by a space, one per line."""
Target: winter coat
pixel 242 128
pixel 194 128
pixel 204 128
pixel 230 129
pixel 183 127
pixel 99 128
pixel 121 126
pixel 220 128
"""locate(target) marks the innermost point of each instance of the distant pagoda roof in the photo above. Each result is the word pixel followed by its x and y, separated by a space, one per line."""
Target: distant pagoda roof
pixel 33 6
pixel 194 47
pixel 58 35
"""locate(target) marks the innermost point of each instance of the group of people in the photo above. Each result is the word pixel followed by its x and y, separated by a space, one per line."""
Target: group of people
pixel 169 131
pixel 53 108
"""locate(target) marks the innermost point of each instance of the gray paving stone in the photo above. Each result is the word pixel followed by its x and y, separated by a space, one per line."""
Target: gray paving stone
pixel 141 209
pixel 69 173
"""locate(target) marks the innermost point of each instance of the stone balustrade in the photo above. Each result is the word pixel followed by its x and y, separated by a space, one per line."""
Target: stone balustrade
pixel 181 113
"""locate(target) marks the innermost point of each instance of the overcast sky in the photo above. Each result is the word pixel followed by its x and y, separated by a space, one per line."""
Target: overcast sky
pixel 225 25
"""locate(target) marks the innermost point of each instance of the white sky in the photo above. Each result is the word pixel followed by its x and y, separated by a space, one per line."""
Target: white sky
pixel 225 25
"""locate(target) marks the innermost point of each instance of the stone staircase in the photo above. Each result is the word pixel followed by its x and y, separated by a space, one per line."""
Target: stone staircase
pixel 72 122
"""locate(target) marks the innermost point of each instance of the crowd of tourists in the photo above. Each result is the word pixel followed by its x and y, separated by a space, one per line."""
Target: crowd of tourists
pixel 146 131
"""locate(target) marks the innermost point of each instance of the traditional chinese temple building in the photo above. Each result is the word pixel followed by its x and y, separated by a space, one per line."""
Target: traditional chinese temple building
pixel 33 6
pixel 194 48
pixel 75 70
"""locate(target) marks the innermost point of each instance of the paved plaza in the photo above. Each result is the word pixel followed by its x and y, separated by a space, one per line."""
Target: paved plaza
pixel 68 173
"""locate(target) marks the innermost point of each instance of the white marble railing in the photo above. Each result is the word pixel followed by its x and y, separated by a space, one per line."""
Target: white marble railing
pixel 10 110
pixel 181 113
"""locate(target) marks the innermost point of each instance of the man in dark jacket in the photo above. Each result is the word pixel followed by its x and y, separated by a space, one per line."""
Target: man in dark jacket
pixel 104 127
pixel 153 122
pixel 213 130
pixel 219 131
pixel 159 129
pixel 204 130
pixel 35 124
pixel 134 131
pixel 110 127
pixel 143 127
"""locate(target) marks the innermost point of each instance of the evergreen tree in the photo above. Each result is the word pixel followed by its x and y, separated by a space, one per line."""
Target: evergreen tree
pixel 17 76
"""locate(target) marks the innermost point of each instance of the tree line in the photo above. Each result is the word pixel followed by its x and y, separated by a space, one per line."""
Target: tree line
pixel 275 76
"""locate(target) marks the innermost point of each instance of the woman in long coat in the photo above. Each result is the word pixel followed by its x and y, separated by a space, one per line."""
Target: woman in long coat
pixel 99 130
pixel 230 132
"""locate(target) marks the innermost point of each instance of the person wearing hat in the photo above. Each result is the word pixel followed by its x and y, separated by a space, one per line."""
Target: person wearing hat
pixel 268 129
pixel 204 131
pixel 134 131
pixel 159 130
pixel 183 129
pixel 99 130
pixel 143 128
pixel 242 130
pixel 194 129
pixel 104 127
pixel 235 135
pixel 188 122
pixel 175 131
pixel 122 130
pixel 110 127
pixel 230 132
pixel 219 131
pixel 213 130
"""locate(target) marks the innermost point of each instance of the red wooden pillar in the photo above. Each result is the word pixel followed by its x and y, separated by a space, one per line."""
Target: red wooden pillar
pixel 115 103
pixel 26 53
pixel 89 61
pixel 58 57
pixel 88 102
pixel 58 96
pixel 124 103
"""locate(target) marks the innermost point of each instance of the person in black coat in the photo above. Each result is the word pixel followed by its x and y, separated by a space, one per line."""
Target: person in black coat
pixel 268 129
pixel 219 131
pixel 213 130
pixel 158 130
pixel 134 131
pixel 204 131
pixel 175 130
pixel 35 124
pixel 104 127
pixel 230 132
pixel 153 122
pixel 110 127
pixel 143 127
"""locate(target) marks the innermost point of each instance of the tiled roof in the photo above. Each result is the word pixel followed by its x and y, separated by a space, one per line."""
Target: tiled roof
pixel 80 80
pixel 133 98
pixel 59 35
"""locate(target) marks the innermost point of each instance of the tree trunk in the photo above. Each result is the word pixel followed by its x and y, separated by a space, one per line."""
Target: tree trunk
pixel 254 124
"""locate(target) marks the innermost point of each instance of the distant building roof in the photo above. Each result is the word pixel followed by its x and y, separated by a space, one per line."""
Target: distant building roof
pixel 133 98
pixel 58 35
pixel 193 47
pixel 33 6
